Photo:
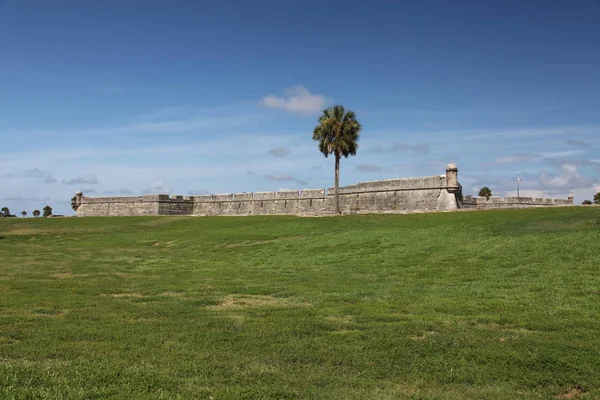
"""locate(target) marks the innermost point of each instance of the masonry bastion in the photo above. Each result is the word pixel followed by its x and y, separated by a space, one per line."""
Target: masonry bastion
pixel 402 195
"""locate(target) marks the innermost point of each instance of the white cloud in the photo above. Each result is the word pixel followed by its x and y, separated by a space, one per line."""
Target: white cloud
pixel 297 99
pixel 517 158
pixel 157 188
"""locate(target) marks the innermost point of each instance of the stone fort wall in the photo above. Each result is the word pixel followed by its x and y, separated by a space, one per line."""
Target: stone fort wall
pixel 432 193
pixel 481 203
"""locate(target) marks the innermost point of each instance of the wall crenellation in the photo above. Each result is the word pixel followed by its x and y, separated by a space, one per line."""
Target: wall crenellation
pixel 400 195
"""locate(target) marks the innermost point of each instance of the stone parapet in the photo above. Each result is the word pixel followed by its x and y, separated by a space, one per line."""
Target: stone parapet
pixel 426 183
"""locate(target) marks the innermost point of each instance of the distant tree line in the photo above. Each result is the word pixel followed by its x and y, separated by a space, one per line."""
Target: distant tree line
pixel 5 212
pixel 596 200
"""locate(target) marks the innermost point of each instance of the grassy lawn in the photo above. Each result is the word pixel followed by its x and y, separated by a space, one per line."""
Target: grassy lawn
pixel 485 305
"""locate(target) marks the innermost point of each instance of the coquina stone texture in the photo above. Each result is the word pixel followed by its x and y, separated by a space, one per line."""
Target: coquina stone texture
pixel 431 193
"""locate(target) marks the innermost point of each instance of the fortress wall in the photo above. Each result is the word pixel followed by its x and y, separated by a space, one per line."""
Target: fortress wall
pixel 312 193
pixel 494 202
pixel 397 201
pixel 387 196
pixel 265 195
pixel 429 182
pixel 390 196
pixel 432 193
pixel 242 196
pixel 118 206
pixel 175 205
pixel 272 206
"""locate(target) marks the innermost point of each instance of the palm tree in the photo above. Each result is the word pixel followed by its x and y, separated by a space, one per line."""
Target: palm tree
pixel 47 211
pixel 337 134
pixel 24 213
pixel 485 192
pixel 36 213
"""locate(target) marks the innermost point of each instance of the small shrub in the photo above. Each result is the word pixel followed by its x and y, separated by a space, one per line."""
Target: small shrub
pixel 587 202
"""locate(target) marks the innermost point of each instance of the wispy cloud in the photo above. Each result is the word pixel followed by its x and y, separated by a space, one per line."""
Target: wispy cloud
pixel 522 133
pixel 367 168
pixel 279 152
pixel 82 180
pixel 420 148
pixel 22 198
pixel 577 143
pixel 284 178
pixel 517 158
pixel 198 192
pixel 34 173
pixel 297 99
pixel 528 157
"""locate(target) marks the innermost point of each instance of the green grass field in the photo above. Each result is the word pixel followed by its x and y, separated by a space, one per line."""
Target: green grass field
pixel 474 305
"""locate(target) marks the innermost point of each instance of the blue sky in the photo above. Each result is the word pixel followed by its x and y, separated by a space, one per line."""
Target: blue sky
pixel 190 96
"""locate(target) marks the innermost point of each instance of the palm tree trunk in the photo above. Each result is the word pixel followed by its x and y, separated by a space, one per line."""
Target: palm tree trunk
pixel 337 184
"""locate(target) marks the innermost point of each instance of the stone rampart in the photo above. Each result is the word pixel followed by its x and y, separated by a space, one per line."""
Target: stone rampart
pixel 403 195
pixel 118 206
pixel 495 202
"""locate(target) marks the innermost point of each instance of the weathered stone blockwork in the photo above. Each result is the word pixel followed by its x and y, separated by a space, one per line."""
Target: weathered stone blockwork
pixel 432 193
pixel 118 206
pixel 481 203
